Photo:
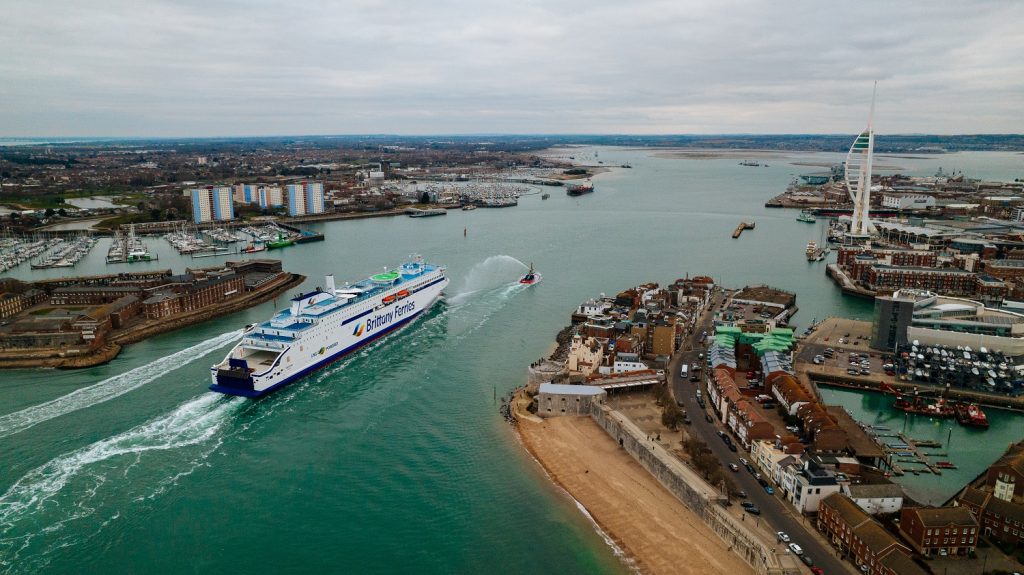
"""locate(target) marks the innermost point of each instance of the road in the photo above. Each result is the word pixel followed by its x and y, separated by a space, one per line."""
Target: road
pixel 778 513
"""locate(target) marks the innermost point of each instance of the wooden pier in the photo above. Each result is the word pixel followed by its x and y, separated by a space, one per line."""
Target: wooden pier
pixel 741 227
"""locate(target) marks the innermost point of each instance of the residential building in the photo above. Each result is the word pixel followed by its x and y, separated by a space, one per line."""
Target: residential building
pixel 212 204
pixel 305 198
pixel 876 498
pixel 811 484
pixel 862 539
pixel 908 201
pixel 270 197
pixel 932 530
pixel 999 519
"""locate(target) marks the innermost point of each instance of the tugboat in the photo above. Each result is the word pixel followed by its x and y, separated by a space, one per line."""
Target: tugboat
pixel 969 414
pixel 531 277
pixel 806 216
pixel 255 247
pixel 280 242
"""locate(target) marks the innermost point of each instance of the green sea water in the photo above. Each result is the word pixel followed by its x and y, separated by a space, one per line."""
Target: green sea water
pixel 394 459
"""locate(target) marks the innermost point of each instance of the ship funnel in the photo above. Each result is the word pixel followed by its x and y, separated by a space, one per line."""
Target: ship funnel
pixel 330 284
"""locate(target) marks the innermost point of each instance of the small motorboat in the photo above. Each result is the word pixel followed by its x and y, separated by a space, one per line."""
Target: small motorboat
pixel 531 277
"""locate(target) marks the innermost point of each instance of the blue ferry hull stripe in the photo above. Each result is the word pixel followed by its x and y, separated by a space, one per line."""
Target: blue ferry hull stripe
pixel 258 393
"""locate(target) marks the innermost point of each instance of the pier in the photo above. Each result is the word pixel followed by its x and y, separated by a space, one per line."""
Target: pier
pixel 739 229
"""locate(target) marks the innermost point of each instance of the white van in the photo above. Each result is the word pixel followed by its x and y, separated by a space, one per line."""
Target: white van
pixel 684 371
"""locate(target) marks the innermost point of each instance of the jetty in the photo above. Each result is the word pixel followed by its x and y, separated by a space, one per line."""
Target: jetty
pixel 743 226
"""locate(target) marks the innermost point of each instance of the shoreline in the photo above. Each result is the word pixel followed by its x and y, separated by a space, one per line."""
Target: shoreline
pixel 653 531
pixel 117 341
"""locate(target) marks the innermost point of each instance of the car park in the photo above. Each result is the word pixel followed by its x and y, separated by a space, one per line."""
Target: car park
pixel 796 549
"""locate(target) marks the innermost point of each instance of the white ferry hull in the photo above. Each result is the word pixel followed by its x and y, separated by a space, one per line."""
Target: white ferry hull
pixel 320 345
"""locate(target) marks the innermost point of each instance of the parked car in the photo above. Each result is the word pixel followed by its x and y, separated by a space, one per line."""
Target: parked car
pixel 732 447
pixel 741 494
pixel 782 536
pixel 746 504
pixel 734 468
pixel 743 461
pixel 796 549
pixel 753 510
pixel 707 416
pixel 807 560
pixel 817 571
pixel 769 490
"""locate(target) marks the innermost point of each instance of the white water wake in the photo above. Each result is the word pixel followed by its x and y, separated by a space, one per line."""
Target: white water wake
pixel 62 489
pixel 491 273
pixel 109 388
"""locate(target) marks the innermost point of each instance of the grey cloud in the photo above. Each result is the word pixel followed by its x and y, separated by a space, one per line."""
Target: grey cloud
pixel 194 68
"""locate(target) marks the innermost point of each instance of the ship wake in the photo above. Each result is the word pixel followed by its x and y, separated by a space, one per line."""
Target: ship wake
pixel 110 388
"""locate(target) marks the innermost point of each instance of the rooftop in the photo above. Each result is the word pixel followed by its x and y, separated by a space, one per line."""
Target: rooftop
pixel 562 389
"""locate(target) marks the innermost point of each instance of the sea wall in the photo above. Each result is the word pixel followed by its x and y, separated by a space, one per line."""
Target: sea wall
pixel 695 493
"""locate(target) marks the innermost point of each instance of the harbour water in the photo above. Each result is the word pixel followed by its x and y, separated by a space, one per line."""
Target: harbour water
pixel 394 459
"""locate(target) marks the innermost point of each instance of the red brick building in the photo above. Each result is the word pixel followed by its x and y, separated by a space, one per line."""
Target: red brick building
pixel 931 529
pixel 863 540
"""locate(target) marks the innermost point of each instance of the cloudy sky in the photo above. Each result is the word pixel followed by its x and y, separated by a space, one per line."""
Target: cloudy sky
pixel 259 67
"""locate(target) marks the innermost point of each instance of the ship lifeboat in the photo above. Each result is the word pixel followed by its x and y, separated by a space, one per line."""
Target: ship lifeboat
pixel 402 294
pixel 388 299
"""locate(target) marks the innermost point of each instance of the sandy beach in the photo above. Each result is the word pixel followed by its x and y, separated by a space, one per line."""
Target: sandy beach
pixel 651 526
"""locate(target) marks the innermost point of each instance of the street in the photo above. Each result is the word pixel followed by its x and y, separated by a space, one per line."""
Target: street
pixel 778 513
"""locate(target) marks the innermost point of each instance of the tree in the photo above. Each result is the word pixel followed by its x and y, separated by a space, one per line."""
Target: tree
pixel 62 212
pixel 671 415
pixel 154 214
pixel 49 212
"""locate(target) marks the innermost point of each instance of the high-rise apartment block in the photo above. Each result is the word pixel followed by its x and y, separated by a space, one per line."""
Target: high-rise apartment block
pixel 212 204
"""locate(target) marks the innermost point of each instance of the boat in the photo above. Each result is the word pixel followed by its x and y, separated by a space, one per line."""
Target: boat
pixel 468 207
pixel 324 325
pixel 416 213
pixel 918 406
pixel 751 163
pixel 969 414
pixel 531 277
pixel 945 465
pixel 806 216
pixel 814 253
pixel 545 196
pixel 280 242
pixel 255 247
pixel 579 189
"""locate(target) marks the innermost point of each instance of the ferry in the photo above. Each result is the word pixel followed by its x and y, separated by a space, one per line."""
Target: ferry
pixel 324 325
pixel 531 277
pixel 579 189
pixel 806 216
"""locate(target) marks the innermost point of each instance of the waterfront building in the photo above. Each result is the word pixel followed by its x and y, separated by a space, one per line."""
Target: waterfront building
pixel 922 315
pixel 931 529
pixel 305 198
pixel 212 204
pixel 556 399
pixel 999 519
pixel 584 356
pixel 867 544
pixel 997 497
pixel 908 201
pixel 876 498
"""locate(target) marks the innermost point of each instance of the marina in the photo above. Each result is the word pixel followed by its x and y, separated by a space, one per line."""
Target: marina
pixel 65 254
pixel 128 248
